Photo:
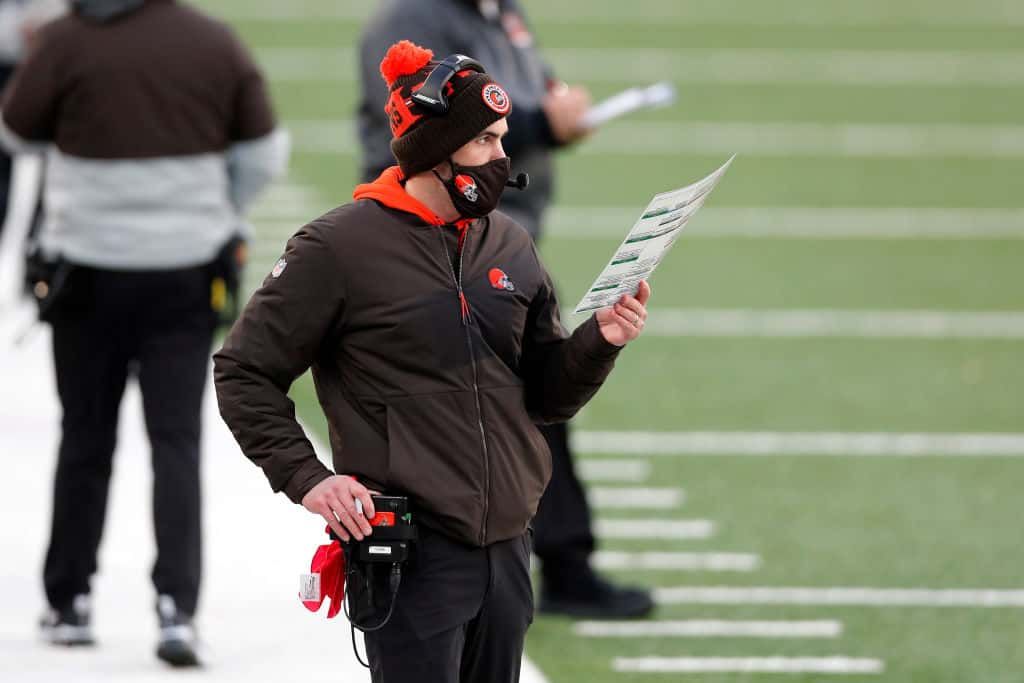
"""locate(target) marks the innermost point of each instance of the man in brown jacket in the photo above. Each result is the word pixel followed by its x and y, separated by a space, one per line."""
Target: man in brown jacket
pixel 434 337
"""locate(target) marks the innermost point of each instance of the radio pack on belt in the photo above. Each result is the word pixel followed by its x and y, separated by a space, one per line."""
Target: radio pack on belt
pixel 392 532
pixel 356 574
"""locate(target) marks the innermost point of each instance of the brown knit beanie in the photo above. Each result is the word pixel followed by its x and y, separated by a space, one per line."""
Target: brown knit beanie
pixel 421 139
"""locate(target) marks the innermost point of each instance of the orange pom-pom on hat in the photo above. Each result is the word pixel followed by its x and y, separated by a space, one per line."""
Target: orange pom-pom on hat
pixel 421 139
pixel 404 58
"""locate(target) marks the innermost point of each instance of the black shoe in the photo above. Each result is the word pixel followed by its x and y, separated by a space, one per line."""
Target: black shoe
pixel 595 598
pixel 178 645
pixel 70 626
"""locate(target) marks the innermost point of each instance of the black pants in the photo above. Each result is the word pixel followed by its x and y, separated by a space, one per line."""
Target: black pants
pixel 6 162
pixel 109 325
pixel 563 538
pixel 461 615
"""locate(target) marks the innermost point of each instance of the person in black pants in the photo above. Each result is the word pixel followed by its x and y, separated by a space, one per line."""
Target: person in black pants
pixel 434 337
pixel 157 326
pixel 149 174
pixel 547 116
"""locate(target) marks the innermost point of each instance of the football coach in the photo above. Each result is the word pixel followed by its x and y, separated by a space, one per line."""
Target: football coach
pixel 435 342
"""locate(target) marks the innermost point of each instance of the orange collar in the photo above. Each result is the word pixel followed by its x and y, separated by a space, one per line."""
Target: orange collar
pixel 389 191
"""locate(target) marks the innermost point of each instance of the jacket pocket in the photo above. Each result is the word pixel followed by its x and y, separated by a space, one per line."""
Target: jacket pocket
pixel 519 459
pixel 437 458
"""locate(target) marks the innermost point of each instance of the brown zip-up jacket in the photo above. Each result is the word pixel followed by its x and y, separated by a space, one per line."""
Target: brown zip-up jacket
pixel 433 356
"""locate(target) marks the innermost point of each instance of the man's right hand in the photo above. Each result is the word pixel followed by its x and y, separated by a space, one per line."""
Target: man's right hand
pixel 334 499
pixel 565 108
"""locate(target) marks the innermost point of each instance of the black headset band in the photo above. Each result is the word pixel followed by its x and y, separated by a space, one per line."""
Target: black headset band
pixel 431 95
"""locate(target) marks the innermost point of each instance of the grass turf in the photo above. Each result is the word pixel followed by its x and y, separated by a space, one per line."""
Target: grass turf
pixel 882 522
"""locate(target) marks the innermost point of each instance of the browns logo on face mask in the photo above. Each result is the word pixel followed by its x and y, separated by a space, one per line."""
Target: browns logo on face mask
pixel 475 190
pixel 467 187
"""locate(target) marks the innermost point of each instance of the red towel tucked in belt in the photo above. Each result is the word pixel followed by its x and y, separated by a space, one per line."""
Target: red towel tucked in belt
pixel 329 563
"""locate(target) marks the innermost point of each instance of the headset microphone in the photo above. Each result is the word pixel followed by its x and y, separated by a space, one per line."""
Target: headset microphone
pixel 521 182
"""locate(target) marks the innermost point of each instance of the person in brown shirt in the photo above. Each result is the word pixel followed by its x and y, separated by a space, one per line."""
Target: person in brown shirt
pixel 435 342
pixel 158 134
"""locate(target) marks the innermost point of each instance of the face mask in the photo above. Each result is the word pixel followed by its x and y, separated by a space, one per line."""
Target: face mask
pixel 475 190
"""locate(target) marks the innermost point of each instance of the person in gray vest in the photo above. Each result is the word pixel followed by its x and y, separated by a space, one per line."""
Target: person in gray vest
pixel 158 134
pixel 547 116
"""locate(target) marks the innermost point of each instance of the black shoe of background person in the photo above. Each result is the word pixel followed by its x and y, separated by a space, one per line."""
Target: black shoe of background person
pixel 595 598
pixel 70 626
pixel 178 644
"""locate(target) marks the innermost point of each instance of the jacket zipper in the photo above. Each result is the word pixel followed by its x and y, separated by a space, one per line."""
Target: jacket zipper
pixel 466 320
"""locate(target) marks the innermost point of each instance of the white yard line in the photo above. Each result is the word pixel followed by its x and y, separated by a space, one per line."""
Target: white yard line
pixel 849 324
pixel 299 212
pixel 880 444
pixel 843 140
pixel 954 68
pixel 851 597
pixel 787 665
pixel 957 68
pixel 709 628
pixel 786 13
pixel 578 222
pixel 635 497
pixel 312 11
pixel 656 561
pixel 655 529
pixel 614 470
pixel 876 13
pixel 670 138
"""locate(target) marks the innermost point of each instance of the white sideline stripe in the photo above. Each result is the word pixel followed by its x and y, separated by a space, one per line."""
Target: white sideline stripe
pixel 957 68
pixel 635 497
pixel 800 443
pixel 670 138
pixel 614 470
pixel 840 596
pixel 707 562
pixel 656 529
pixel 788 665
pixel 709 628
pixel 698 322
pixel 577 222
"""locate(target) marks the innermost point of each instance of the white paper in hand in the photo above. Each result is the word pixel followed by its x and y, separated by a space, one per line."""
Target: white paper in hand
pixel 645 246
pixel 630 100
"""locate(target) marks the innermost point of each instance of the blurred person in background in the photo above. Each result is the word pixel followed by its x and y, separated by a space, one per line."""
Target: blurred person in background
pixel 158 134
pixel 18 22
pixel 11 44
pixel 548 115
pixel 434 337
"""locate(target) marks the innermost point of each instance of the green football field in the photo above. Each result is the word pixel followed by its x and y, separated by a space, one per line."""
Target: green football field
pixel 819 439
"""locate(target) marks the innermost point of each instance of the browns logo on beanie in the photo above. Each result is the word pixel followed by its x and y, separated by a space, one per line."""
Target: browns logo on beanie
pixel 421 139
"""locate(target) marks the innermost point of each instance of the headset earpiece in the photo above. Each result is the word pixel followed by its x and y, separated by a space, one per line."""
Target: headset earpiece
pixel 431 95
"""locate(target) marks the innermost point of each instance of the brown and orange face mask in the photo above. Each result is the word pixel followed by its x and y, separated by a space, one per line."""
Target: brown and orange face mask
pixel 475 190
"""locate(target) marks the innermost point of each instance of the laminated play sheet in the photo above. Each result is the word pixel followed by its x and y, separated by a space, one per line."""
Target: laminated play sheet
pixel 647 243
